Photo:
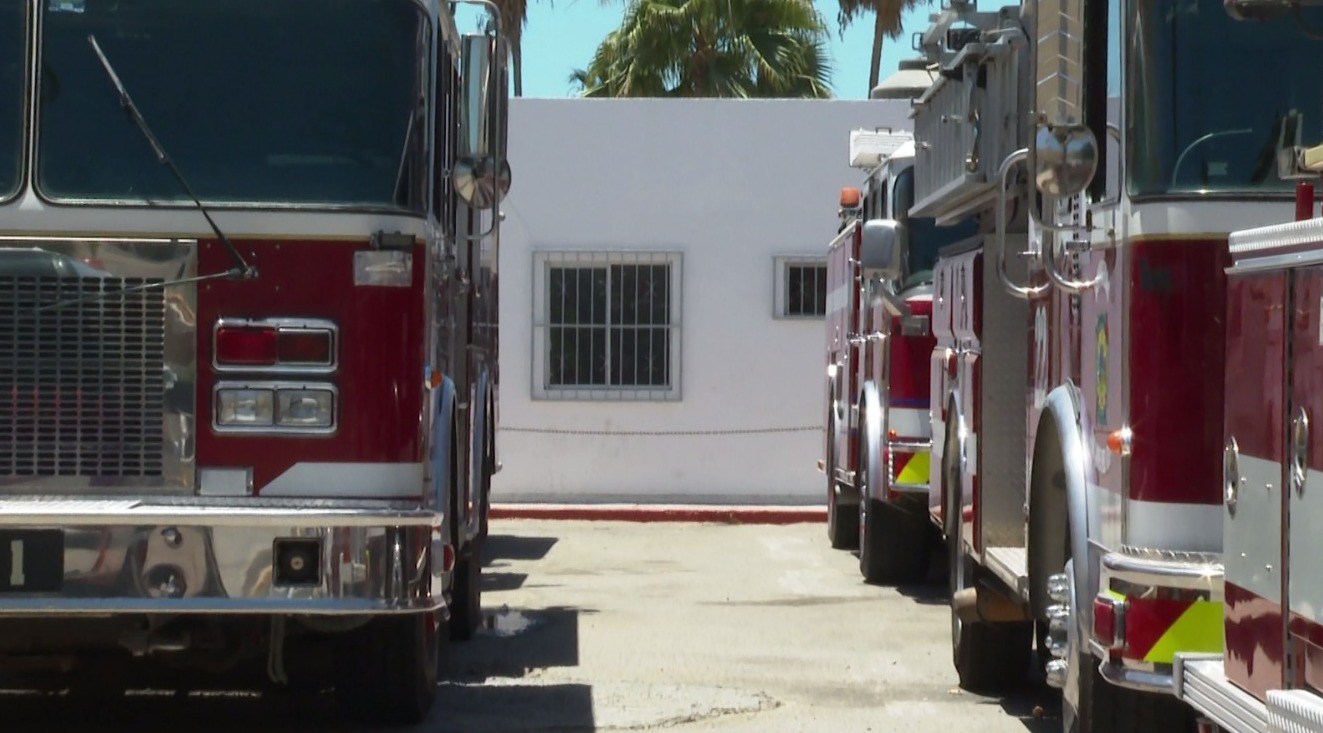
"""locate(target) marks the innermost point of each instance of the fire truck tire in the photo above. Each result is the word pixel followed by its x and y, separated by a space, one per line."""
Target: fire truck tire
pixel 466 596
pixel 386 671
pixel 988 657
pixel 1106 708
pixel 893 544
pixel 842 523
pixel 992 656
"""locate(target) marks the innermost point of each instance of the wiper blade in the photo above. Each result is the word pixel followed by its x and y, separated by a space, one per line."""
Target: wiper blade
pixel 106 294
pixel 241 268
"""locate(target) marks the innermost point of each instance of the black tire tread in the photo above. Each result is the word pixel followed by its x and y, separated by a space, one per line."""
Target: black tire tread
pixel 895 547
pixel 843 526
pixel 1112 709
pixel 466 594
pixel 994 657
pixel 385 675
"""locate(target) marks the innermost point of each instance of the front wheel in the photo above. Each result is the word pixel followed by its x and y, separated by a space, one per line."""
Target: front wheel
pixel 893 544
pixel 1091 704
pixel 386 671
pixel 988 657
pixel 842 521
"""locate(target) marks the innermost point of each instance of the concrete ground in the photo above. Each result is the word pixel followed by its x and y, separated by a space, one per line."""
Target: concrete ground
pixel 708 627
pixel 626 626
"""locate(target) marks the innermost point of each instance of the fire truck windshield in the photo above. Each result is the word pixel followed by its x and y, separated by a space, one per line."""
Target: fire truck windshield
pixel 257 101
pixel 923 238
pixel 12 33
pixel 1209 94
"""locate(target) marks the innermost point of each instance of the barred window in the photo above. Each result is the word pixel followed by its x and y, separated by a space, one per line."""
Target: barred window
pixel 801 287
pixel 606 325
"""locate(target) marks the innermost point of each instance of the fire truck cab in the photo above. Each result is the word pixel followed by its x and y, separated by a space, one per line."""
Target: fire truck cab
pixel 248 319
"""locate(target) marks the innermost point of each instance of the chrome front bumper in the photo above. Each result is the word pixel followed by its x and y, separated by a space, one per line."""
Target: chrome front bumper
pixel 67 557
pixel 1145 570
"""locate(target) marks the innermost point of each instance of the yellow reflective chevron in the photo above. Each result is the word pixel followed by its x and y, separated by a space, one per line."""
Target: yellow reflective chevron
pixel 915 470
pixel 1198 629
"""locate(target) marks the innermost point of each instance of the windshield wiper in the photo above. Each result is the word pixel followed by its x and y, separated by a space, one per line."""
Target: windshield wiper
pixel 241 269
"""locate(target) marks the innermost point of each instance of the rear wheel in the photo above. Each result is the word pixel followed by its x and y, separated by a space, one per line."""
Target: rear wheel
pixel 386 671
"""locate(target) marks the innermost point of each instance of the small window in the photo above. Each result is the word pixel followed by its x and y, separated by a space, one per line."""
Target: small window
pixel 606 325
pixel 801 287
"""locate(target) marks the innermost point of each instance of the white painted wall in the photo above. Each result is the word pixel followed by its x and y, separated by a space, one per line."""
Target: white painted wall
pixel 731 184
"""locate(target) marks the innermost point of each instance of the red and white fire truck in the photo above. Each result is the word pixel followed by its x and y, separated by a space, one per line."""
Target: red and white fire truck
pixel 1078 375
pixel 1270 676
pixel 878 344
pixel 248 321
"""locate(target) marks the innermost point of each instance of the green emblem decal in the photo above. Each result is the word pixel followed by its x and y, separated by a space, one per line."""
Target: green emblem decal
pixel 1100 387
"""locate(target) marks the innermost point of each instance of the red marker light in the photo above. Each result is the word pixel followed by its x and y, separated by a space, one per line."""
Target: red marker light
pixel 245 345
pixel 304 347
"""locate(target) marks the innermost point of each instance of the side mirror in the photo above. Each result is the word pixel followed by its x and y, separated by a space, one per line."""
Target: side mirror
pixel 482 173
pixel 881 248
pixel 1065 159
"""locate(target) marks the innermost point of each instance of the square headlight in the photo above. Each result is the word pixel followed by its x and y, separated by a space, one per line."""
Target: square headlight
pixel 305 408
pixel 244 407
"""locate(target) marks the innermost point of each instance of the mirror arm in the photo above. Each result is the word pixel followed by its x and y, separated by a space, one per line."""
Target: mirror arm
pixel 1058 278
pixel 1022 292
pixel 892 302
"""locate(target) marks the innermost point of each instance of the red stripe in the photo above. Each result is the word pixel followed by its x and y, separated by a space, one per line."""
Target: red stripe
pixel 1176 354
pixel 1146 620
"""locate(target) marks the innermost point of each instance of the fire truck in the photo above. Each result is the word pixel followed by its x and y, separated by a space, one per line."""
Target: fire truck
pixel 878 345
pixel 248 328
pixel 1271 672
pixel 1107 149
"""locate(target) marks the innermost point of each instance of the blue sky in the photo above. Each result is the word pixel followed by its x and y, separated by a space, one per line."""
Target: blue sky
pixel 562 35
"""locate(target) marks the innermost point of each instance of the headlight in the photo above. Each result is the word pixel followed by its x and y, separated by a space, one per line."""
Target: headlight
pixel 244 407
pixel 305 408
pixel 275 407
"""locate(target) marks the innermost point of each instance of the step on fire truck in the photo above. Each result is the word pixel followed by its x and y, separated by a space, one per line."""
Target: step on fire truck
pixel 878 345
pixel 1077 379
pixel 248 368
pixel 1270 677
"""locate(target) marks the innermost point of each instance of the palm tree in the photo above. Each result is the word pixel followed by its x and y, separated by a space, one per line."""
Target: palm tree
pixel 887 16
pixel 514 17
pixel 711 48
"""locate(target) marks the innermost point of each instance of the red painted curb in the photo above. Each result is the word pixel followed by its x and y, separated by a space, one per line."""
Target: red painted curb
pixel 663 513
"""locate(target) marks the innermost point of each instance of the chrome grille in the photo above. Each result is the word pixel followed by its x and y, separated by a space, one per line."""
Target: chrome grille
pixel 82 384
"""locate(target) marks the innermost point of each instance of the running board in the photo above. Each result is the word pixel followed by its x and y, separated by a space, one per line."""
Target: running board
pixel 1200 681
pixel 1011 566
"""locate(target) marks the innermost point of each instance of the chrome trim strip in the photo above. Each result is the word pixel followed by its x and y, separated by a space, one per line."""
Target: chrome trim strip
pixel 900 488
pixel 1167 573
pixel 910 446
pixel 1136 679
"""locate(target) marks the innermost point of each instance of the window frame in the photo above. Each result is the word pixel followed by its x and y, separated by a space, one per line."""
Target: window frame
pixel 781 265
pixel 544 261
